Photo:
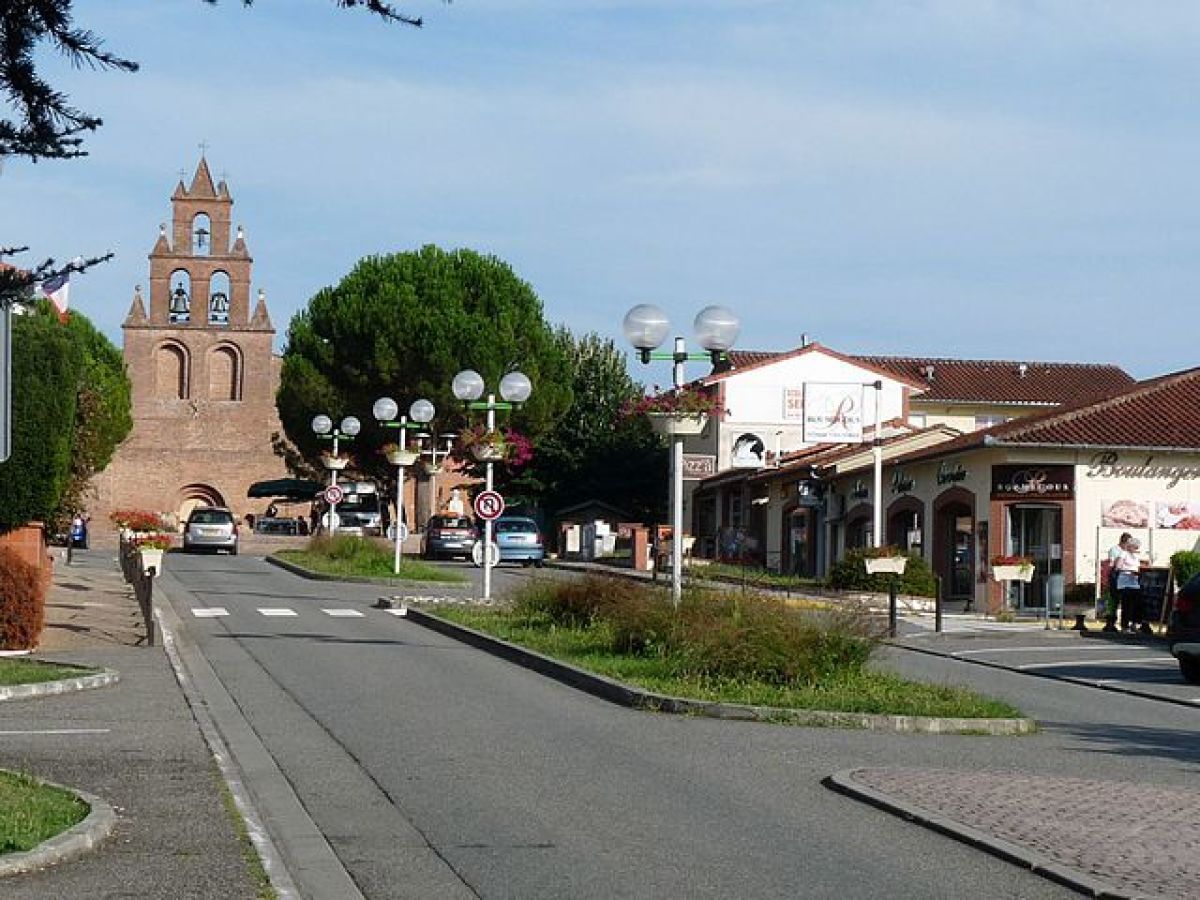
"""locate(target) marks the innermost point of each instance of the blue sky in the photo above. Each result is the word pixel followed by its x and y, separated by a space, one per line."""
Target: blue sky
pixel 1013 180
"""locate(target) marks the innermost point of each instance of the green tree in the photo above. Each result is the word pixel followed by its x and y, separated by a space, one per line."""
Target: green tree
pixel 402 326
pixel 103 416
pixel 594 451
pixel 71 408
pixel 45 367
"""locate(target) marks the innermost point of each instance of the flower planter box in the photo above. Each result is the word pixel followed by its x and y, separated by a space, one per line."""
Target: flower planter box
pixel 488 452
pixel 431 469
pixel 893 565
pixel 1012 573
pixel 151 558
pixel 676 424
pixel 336 463
pixel 402 457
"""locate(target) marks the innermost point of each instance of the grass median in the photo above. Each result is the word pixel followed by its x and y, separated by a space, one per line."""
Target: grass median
pixel 32 812
pixel 27 671
pixel 354 557
pixel 719 647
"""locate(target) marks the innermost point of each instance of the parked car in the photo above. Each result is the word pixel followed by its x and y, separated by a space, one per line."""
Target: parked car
pixel 519 540
pixel 211 528
pixel 448 536
pixel 360 512
pixel 1183 630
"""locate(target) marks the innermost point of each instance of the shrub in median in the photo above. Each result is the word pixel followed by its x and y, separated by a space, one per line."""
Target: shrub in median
pixel 849 574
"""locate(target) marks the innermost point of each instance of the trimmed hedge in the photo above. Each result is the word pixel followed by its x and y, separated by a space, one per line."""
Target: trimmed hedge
pixel 849 574
pixel 1184 564
pixel 22 602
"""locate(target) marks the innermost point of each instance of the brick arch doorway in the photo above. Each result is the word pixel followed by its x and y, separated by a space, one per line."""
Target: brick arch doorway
pixel 954 543
pixel 193 495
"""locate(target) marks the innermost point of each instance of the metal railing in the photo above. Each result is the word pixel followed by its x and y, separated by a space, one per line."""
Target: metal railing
pixel 142 582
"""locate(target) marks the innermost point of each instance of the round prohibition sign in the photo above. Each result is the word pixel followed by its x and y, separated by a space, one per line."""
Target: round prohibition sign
pixel 489 505
pixel 334 494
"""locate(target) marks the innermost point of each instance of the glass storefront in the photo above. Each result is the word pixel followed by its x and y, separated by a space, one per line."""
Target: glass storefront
pixel 1035 531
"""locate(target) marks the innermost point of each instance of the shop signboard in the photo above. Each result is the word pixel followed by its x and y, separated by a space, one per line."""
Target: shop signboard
pixel 1033 482
pixel 833 413
pixel 699 465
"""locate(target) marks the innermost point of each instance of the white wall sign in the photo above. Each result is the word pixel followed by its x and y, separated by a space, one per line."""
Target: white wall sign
pixel 793 404
pixel 833 413
pixel 698 465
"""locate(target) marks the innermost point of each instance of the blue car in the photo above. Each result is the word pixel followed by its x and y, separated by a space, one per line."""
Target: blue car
pixel 519 540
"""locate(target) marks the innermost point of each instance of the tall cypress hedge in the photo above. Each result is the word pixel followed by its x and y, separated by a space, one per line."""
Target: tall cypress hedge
pixel 45 371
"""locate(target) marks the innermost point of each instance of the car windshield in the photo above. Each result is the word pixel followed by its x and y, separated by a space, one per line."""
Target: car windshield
pixel 515 525
pixel 451 522
pixel 360 502
pixel 210 517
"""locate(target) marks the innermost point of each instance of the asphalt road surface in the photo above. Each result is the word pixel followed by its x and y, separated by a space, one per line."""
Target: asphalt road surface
pixel 437 770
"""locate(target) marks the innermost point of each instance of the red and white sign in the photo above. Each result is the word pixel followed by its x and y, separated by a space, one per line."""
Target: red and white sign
pixel 489 505
pixel 334 495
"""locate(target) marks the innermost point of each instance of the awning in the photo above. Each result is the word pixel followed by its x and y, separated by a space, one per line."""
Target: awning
pixel 287 488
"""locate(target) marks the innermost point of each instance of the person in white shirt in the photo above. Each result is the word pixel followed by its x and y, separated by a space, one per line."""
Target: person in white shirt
pixel 1129 585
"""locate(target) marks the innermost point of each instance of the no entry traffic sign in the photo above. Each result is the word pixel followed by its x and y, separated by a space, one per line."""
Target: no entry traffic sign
pixel 489 505
pixel 334 495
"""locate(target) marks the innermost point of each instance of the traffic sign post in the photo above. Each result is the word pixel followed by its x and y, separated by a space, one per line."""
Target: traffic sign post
pixel 489 505
pixel 334 495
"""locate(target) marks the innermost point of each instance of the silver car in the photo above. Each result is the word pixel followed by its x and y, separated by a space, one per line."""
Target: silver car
pixel 211 528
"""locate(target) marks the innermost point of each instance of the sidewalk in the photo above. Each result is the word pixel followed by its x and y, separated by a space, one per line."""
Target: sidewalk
pixel 135 745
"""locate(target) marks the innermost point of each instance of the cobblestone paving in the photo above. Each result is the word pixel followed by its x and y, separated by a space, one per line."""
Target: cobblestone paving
pixel 1142 840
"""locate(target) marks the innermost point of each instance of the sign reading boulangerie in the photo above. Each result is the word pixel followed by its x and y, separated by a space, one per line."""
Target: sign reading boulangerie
pixel 833 413
pixel 1033 482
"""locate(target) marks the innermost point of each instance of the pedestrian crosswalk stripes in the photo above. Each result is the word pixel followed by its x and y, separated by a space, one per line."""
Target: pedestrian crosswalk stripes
pixel 280 612
pixel 277 612
pixel 343 613
pixel 208 612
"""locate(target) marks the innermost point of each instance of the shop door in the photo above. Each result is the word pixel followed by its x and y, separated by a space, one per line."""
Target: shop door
pixel 1036 532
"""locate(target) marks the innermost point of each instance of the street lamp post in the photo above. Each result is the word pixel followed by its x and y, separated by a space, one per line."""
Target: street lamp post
pixel 436 459
pixel 385 410
pixel 646 327
pixel 322 426
pixel 515 389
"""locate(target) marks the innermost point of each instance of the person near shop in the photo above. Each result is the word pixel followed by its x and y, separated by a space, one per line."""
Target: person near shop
pixel 1129 585
pixel 1109 600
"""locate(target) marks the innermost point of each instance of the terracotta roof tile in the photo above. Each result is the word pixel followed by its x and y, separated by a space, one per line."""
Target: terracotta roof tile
pixel 1158 413
pixel 1004 381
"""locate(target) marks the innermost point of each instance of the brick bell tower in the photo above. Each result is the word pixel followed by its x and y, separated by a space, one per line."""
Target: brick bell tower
pixel 203 371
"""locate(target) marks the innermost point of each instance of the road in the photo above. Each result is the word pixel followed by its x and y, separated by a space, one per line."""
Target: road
pixel 436 770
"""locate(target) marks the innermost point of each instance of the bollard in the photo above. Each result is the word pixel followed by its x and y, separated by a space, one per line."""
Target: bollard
pixel 892 606
pixel 1079 626
pixel 937 603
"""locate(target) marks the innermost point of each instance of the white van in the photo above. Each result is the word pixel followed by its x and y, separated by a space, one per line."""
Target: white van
pixel 360 510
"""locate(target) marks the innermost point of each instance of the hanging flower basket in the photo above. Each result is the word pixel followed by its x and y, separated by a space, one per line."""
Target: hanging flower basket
pixel 337 463
pixel 1013 573
pixel 893 565
pixel 152 558
pixel 402 457
pixel 485 452
pixel 677 424
pixel 433 468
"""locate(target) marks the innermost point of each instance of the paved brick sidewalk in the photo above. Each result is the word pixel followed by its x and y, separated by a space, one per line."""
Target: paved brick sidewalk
pixel 1111 838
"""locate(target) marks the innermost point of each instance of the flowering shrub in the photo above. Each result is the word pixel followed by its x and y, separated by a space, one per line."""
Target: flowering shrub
pixel 159 541
pixel 677 401
pixel 138 520
pixel 1006 560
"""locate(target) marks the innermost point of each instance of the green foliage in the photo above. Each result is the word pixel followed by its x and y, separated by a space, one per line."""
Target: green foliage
pixel 402 326
pixel 351 556
pixel 45 367
pixel 1184 564
pixel 711 636
pixel 33 812
pixel 849 574
pixel 594 451
pixel 71 408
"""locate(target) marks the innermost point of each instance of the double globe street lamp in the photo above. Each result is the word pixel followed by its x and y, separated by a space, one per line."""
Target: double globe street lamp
pixel 515 388
pixel 349 427
pixel 646 327
pixel 385 410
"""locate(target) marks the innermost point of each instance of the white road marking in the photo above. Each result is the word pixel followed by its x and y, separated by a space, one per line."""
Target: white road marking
pixel 343 613
pixel 60 731
pixel 208 612
pixel 1043 649
pixel 1105 662
pixel 277 611
pixel 402 611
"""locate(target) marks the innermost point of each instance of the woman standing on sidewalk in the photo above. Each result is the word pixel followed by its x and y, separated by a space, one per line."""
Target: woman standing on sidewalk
pixel 1129 585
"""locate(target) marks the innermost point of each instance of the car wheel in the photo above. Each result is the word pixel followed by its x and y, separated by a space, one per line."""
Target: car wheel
pixel 540 563
pixel 1189 667
pixel 233 551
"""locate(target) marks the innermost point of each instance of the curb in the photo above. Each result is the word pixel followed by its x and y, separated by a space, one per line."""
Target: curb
pixel 75 841
pixel 635 698
pixel 355 579
pixel 843 782
pixel 103 678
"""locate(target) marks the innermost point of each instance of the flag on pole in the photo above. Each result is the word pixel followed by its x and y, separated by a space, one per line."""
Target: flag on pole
pixel 57 289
